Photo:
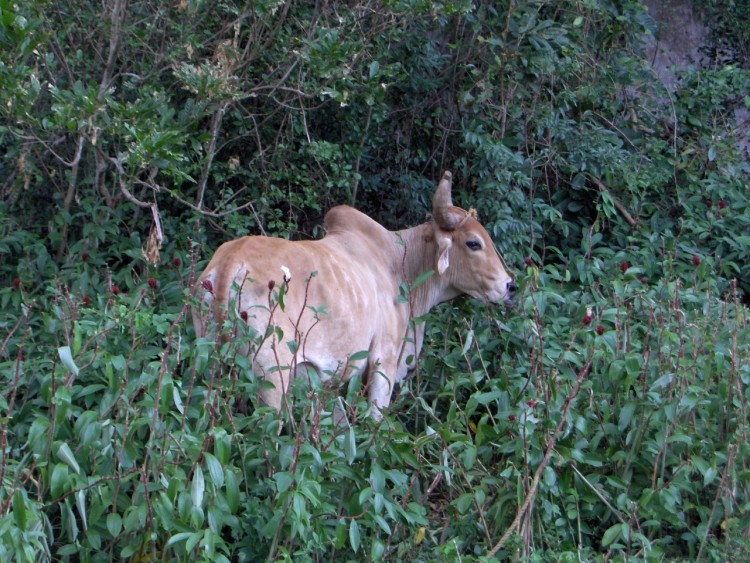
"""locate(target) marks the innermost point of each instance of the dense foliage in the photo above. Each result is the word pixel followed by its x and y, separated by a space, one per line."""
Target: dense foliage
pixel 605 417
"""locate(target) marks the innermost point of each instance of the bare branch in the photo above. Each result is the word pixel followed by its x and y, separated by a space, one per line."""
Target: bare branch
pixel 547 455
pixel 620 207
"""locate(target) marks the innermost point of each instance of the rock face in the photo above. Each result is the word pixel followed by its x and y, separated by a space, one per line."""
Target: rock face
pixel 682 35
pixel 683 42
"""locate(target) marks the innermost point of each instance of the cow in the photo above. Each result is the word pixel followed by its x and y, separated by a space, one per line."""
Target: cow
pixel 347 308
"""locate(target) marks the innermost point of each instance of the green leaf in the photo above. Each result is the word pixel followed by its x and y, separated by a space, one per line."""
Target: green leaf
pixel 81 506
pixel 377 478
pixel 19 509
pixel 350 446
pixel 67 359
pixel 361 355
pixel 284 480
pixel 612 534
pixel 59 480
pixel 182 536
pixel 197 487
pixel 354 538
pixel 215 471
pixel 626 416
pixel 232 491
pixel 65 455
pixel 177 400
pixel 421 278
pixel 114 524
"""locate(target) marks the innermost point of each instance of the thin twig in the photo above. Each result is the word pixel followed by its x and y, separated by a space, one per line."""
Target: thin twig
pixel 620 207
pixel 547 455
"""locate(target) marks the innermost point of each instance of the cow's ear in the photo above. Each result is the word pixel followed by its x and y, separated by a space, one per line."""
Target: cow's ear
pixel 443 261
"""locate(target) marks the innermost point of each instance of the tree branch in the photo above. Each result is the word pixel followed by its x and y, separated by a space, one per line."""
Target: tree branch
pixel 618 205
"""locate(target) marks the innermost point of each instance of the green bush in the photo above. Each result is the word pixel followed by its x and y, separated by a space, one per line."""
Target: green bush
pixel 604 418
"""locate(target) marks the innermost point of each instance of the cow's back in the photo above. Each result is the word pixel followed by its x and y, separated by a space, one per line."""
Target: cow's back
pixel 340 295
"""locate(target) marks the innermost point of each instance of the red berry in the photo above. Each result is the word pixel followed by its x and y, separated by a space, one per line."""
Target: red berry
pixel 85 256
pixel 152 283
pixel 16 282
pixel 177 262
pixel 696 260
pixel 644 281
pixel 243 315
pixel 722 204
pixel 624 266
pixel 115 290
pixel 208 286
pixel 586 319
pixel 271 284
pixel 86 301
pixel 529 261
pixel 709 204
pixel 512 417
pixel 532 404
pixel 600 329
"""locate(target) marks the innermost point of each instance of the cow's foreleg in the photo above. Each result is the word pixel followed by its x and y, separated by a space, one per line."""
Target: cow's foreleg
pixel 379 388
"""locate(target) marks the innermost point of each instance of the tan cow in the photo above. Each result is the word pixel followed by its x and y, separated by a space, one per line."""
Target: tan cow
pixel 360 268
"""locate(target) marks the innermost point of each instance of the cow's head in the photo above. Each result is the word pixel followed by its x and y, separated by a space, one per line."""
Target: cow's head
pixel 466 255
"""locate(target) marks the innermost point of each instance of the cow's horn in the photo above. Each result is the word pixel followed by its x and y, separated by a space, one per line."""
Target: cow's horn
pixel 441 203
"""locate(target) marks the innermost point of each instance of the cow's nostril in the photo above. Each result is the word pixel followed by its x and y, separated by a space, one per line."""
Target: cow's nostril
pixel 512 287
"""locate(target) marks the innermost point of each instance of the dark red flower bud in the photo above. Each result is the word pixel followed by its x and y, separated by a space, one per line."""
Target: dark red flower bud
pixel 599 329
pixel 696 260
pixel 644 281
pixel 586 319
pixel 243 315
pixel 722 204
pixel 271 285
pixel 16 282
pixel 85 256
pixel 115 290
pixel 86 301
pixel 532 404
pixel 512 417
pixel 624 266
pixel 152 283
pixel 177 262
pixel 529 261
pixel 709 204
pixel 208 286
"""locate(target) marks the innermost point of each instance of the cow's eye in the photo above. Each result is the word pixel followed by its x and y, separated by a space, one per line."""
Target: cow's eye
pixel 473 244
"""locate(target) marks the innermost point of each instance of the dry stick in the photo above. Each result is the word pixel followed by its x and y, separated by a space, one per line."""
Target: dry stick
pixel 547 455
pixel 620 207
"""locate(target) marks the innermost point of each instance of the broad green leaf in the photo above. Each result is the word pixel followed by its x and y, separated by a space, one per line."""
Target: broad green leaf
pixel 357 356
pixel 232 491
pixel 377 478
pixel 65 455
pixel 81 506
pixel 612 535
pixel 215 471
pixel 350 446
pixel 19 509
pixel 284 480
pixel 177 400
pixel 197 487
pixel 421 278
pixel 354 538
pixel 114 524
pixel 59 480
pixel 67 359
pixel 182 536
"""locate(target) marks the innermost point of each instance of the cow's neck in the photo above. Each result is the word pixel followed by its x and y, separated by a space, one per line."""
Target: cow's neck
pixel 421 256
